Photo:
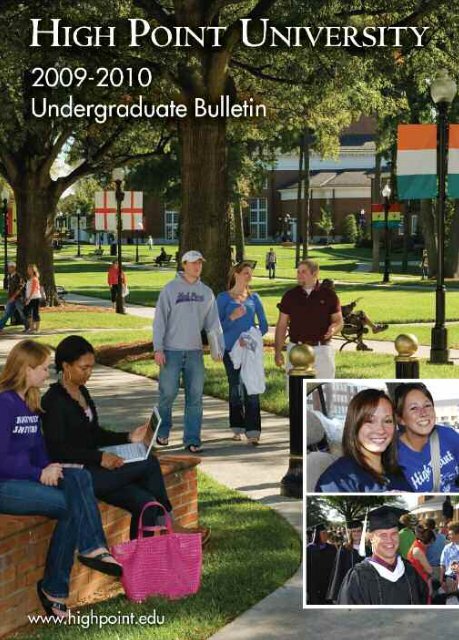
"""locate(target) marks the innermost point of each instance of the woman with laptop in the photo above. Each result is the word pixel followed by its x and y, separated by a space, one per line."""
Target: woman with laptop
pixel 73 435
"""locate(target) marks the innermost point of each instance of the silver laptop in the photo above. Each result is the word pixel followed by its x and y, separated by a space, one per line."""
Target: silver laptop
pixel 137 451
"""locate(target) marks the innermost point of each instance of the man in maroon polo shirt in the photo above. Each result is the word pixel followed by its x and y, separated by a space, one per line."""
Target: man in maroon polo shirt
pixel 312 315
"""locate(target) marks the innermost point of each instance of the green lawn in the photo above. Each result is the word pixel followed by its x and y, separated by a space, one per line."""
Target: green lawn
pixel 389 304
pixel 252 552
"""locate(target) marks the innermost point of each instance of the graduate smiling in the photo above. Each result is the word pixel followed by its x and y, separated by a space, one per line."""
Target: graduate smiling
pixel 385 578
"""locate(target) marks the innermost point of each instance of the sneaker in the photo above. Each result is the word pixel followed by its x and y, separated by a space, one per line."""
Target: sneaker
pixel 237 437
pixel 162 442
pixel 254 441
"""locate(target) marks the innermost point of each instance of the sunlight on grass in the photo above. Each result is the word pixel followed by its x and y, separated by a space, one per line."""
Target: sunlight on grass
pixel 252 552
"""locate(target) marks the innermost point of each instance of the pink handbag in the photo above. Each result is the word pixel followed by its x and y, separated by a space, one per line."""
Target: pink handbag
pixel 166 565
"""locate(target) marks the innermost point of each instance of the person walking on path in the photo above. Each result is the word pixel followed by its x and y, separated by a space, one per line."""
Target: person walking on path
pixel 112 280
pixel 15 293
pixel 238 308
pixel 271 261
pixel 150 243
pixel 32 299
pixel 186 306
pixel 424 264
pixel 31 485
pixel 312 315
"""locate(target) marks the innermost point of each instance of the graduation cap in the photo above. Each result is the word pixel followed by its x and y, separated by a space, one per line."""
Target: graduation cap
pixel 316 531
pixel 385 517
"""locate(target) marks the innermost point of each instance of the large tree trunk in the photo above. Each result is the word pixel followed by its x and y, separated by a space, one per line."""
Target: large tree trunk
pixel 307 200
pixel 205 205
pixel 36 207
pixel 239 229
pixel 299 208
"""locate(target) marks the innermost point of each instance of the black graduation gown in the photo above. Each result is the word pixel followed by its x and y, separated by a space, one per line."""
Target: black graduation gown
pixel 364 585
pixel 319 565
pixel 345 560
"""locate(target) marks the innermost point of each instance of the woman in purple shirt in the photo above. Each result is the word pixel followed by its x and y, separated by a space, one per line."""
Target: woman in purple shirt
pixel 31 485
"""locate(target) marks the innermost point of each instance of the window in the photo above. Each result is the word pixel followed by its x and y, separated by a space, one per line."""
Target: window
pixel 258 218
pixel 414 224
pixel 171 221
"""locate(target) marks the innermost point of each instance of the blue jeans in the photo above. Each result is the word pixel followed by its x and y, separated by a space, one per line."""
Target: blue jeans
pixel 191 365
pixel 10 307
pixel 244 409
pixel 78 525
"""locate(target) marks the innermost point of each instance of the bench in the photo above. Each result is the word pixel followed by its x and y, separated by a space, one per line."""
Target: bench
pixel 24 542
pixel 168 258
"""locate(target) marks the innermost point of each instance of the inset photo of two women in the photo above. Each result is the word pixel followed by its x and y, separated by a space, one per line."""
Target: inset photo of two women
pixel 382 493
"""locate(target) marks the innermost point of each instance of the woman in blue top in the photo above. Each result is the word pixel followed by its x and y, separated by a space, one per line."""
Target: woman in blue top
pixel 31 485
pixel 369 463
pixel 238 307
pixel 415 411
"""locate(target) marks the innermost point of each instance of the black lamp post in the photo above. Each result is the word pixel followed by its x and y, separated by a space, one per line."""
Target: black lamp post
pixel 118 177
pixel 5 196
pixel 386 191
pixel 78 215
pixel 443 89
pixel 139 231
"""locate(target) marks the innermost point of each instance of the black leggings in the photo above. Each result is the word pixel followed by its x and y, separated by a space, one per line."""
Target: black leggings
pixel 130 487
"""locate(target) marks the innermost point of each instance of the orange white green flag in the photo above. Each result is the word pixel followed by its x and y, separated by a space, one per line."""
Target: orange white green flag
pixel 417 161
pixel 453 161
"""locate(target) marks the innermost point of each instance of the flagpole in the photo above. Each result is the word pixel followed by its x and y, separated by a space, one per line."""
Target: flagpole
pixel 443 89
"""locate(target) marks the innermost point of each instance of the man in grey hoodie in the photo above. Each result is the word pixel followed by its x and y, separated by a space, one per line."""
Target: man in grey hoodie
pixel 185 307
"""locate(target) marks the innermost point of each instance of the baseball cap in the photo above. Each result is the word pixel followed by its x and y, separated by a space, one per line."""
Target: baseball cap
pixel 192 256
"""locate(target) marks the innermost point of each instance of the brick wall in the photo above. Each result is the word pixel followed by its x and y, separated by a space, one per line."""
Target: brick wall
pixel 24 543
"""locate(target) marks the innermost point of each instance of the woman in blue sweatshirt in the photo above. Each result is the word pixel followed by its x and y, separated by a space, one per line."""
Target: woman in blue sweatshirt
pixel 369 463
pixel 31 485
pixel 238 309
pixel 419 436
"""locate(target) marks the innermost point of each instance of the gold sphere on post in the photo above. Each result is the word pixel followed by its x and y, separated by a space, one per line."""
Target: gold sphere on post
pixel 302 359
pixel 406 345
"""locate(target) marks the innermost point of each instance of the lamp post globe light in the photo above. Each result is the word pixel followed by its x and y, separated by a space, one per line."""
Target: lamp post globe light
pixel 5 198
pixel 386 192
pixel 118 177
pixel 442 90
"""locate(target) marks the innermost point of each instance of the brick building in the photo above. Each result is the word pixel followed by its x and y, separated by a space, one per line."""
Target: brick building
pixel 343 185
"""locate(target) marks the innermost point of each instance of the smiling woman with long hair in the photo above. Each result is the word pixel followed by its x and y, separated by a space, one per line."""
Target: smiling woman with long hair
pixel 31 485
pixel 369 462
pixel 428 453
